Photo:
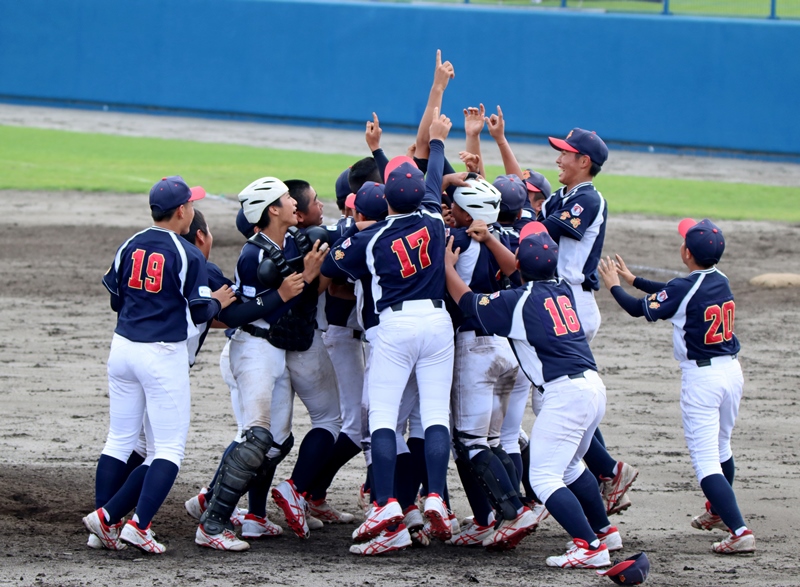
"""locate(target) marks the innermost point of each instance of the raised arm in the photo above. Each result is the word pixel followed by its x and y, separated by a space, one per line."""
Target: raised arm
pixel 440 127
pixel 497 128
pixel 441 77
pixel 473 126
pixel 373 137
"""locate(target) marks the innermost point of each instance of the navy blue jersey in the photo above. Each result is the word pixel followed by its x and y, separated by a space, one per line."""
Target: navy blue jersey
pixel 702 310
pixel 542 325
pixel 577 222
pixel 404 253
pixel 156 277
pixel 246 277
pixel 215 281
pixel 337 310
pixel 478 268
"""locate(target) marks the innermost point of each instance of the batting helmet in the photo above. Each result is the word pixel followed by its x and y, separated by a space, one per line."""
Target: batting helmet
pixel 481 200
pixel 258 195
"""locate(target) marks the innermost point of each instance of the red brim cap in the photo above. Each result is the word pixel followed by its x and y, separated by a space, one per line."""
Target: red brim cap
pixel 395 163
pixel 617 569
pixel 532 188
pixel 685 225
pixel 531 228
pixel 198 193
pixel 561 145
pixel 350 202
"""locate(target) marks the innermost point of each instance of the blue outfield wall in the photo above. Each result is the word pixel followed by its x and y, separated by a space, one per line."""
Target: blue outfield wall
pixel 647 80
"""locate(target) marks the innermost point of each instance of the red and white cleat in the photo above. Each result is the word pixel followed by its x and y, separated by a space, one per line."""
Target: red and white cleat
pixel 384 542
pixel 581 556
pixel 293 506
pixel 379 518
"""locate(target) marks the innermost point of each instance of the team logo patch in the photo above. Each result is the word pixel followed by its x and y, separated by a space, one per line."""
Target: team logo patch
pixel 577 209
pixel 249 291
pixel 494 295
pixel 662 295
pixel 654 305
pixel 526 174
pixel 651 297
pixel 575 222
pixel 204 291
pixel 484 301
pixel 565 215
pixel 338 255
pixel 346 243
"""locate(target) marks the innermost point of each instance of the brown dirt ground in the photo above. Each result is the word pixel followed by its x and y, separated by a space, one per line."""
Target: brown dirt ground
pixel 56 326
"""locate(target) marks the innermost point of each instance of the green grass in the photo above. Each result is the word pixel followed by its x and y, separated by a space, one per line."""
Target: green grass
pixel 37 159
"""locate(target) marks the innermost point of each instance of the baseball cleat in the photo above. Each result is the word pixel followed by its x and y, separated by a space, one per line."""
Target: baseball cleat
pixel 471 534
pixel 195 506
pixel 581 556
pixel 314 523
pixel 379 518
pixel 364 501
pixel 733 544
pixel 455 527
pixel 384 542
pixel 237 519
pixel 293 506
pixel 613 489
pixel 107 534
pixel 708 520
pixel 255 527
pixel 415 523
pixel 144 540
pixel 226 540
pixel 438 516
pixel 540 512
pixel 94 542
pixel 611 539
pixel 622 504
pixel 323 510
pixel 509 533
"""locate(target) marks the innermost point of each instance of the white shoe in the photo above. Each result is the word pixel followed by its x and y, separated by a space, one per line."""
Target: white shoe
pixel 471 534
pixel 314 523
pixel 225 540
pixel 323 510
pixel 384 542
pixel 708 521
pixel 510 532
pixel 237 519
pixel 364 501
pixel 195 506
pixel 581 556
pixel 540 512
pixel 614 489
pixel 734 544
pixel 455 527
pixel 611 539
pixel 255 527
pixel 94 542
pixel 144 540
pixel 107 534
pixel 437 515
pixel 379 518
pixel 293 506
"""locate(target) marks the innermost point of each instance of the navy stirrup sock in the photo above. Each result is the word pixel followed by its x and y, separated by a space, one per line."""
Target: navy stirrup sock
pixel 157 484
pixel 110 476
pixel 588 494
pixel 723 501
pixel 384 457
pixel 315 450
pixel 566 509
pixel 437 455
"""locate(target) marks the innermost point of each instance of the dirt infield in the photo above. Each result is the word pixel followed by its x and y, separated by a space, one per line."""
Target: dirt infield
pixel 56 327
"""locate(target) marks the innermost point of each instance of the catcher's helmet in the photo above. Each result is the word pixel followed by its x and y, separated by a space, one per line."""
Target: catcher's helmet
pixel 258 195
pixel 481 200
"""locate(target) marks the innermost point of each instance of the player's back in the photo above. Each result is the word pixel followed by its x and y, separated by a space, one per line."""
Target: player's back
pixel 155 274
pixel 406 254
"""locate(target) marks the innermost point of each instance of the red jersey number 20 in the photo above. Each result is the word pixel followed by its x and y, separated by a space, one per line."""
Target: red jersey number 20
pixel 721 318
pixel 154 271
pixel 416 241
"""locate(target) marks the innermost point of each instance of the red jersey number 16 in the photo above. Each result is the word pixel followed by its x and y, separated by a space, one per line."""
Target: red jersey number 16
pixel 416 240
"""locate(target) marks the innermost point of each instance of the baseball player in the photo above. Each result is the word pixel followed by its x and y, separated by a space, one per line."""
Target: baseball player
pixel 159 288
pixel 403 254
pixel 575 216
pixel 702 310
pixel 540 321
pixel 258 366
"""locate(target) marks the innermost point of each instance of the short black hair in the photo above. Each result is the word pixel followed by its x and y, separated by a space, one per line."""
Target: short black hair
pixel 298 189
pixel 507 216
pixel 263 222
pixel 529 277
pixel 160 215
pixel 362 171
pixel 594 169
pixel 198 223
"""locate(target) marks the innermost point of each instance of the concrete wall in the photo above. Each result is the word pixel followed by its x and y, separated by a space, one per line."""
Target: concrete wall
pixel 646 80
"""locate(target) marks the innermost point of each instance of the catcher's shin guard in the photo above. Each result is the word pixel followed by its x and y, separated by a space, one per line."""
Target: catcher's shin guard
pixel 480 466
pixel 238 471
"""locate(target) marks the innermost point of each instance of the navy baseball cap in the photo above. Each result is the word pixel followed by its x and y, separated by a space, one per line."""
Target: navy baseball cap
pixel 405 186
pixel 536 182
pixel 631 571
pixel 513 193
pixel 342 187
pixel 537 252
pixel 243 225
pixel 703 239
pixel 584 142
pixel 171 192
pixel 370 201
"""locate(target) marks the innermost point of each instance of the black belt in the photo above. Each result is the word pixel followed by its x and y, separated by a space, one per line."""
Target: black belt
pixel 255 331
pixel 580 375
pixel 357 334
pixel 707 362
pixel 398 307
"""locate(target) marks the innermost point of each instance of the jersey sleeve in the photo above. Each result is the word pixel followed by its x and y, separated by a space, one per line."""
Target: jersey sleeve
pixel 215 277
pixel 348 258
pixel 433 178
pixel 574 218
pixel 494 311
pixel 663 304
